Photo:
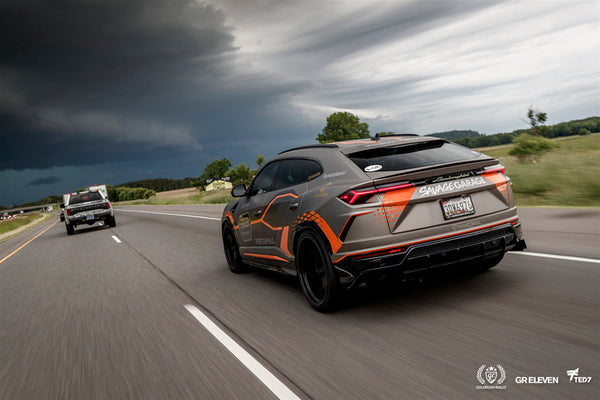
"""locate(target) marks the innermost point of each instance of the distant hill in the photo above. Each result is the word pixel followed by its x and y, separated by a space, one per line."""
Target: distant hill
pixel 584 126
pixel 455 135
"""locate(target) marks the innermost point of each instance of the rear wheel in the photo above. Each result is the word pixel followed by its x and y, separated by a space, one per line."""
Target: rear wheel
pixel 316 273
pixel 232 251
pixel 111 221
pixel 70 229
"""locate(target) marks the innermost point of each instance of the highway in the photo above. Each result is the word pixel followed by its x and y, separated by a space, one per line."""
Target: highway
pixel 149 310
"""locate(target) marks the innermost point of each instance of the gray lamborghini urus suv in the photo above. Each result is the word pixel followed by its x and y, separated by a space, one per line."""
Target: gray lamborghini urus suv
pixel 337 215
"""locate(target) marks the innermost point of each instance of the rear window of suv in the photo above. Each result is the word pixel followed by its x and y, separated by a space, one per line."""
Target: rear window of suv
pixel 411 156
pixel 83 197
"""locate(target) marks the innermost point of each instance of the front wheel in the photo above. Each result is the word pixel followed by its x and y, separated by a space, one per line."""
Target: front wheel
pixel 320 283
pixel 232 251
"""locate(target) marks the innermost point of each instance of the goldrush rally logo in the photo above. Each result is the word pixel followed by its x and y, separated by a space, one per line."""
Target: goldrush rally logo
pixel 491 377
pixel 434 190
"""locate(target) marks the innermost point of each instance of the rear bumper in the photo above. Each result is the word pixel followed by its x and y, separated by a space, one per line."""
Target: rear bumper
pixel 89 218
pixel 434 256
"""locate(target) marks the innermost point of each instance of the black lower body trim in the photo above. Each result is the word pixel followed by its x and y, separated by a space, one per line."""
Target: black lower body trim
pixel 434 256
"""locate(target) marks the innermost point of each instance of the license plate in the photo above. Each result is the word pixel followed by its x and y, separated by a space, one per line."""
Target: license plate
pixel 89 217
pixel 457 207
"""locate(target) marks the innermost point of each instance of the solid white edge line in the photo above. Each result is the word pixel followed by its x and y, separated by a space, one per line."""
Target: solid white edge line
pixel 172 214
pixel 267 378
pixel 558 257
pixel 116 239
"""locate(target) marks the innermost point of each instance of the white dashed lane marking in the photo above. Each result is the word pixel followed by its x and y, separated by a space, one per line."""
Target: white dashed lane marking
pixel 557 257
pixel 267 378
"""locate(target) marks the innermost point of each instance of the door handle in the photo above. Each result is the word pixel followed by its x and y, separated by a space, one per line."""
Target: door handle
pixel 258 213
pixel 293 206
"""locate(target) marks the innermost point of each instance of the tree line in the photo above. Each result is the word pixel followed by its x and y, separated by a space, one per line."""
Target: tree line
pixel 121 193
pixel 576 127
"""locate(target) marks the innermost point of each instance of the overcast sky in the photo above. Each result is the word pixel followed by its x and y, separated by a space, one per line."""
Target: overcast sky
pixel 114 91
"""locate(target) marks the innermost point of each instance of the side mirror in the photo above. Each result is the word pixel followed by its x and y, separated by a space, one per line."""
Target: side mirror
pixel 62 205
pixel 238 190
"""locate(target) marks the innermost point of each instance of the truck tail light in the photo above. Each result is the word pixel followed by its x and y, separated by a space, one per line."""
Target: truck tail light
pixel 362 195
pixel 108 206
pixel 68 212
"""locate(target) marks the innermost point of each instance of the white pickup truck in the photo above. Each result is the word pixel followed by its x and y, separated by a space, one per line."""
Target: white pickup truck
pixel 87 207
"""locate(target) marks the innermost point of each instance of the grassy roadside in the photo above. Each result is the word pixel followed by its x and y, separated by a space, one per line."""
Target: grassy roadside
pixel 20 223
pixel 566 177
pixel 184 197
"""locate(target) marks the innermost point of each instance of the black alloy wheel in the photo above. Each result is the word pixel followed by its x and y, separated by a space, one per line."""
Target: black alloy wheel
pixel 317 275
pixel 232 251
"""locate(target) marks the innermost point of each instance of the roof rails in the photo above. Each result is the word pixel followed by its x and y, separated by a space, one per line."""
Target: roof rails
pixel 377 137
pixel 312 146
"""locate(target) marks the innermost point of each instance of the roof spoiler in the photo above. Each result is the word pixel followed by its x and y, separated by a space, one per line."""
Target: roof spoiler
pixel 377 137
pixel 312 146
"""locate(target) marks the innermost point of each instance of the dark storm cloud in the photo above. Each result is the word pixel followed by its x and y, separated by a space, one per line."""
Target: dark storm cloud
pixel 90 81
pixel 46 180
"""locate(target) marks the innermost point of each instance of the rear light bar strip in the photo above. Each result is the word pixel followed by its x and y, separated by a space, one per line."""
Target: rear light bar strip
pixel 493 169
pixel 361 196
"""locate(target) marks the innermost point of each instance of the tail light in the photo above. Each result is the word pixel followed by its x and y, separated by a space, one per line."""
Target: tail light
pixel 107 205
pixel 361 196
pixel 494 169
pixel 378 253
pixel 68 212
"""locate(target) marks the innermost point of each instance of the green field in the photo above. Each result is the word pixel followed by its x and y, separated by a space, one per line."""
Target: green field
pixel 197 197
pixel 19 221
pixel 566 177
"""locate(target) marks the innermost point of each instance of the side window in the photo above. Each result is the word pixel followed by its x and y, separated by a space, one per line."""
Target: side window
pixel 313 169
pixel 296 171
pixel 264 180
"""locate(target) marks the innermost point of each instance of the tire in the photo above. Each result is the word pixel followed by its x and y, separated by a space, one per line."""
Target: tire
pixel 232 251
pixel 70 229
pixel 110 221
pixel 318 279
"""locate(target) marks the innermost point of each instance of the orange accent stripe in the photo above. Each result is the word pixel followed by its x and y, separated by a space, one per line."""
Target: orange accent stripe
pixel 394 203
pixel 283 245
pixel 334 241
pixel 266 256
pixel 261 220
pixel 496 178
pixel 230 217
pixel 429 240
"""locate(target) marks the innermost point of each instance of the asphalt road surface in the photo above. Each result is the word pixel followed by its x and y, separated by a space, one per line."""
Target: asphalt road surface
pixel 149 310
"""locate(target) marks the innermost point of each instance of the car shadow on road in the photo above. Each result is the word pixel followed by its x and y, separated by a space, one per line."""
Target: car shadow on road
pixel 450 287
pixel 82 229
